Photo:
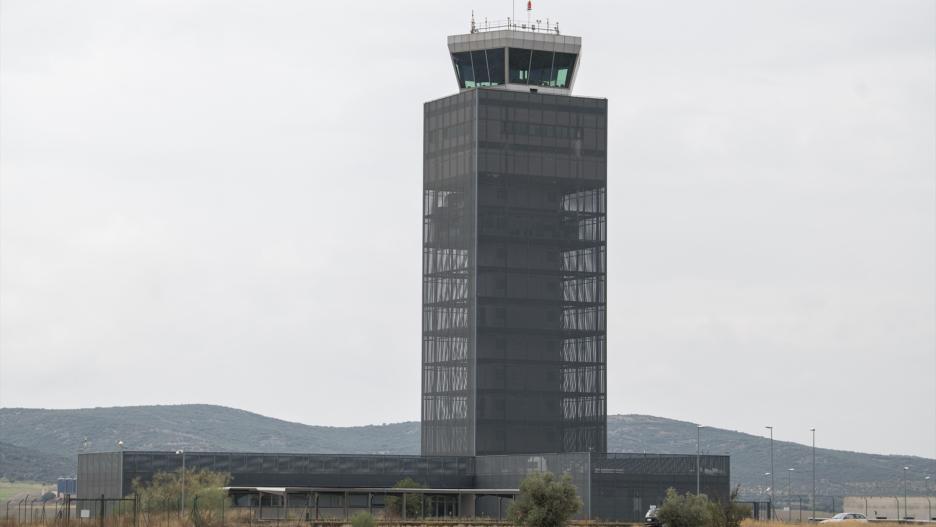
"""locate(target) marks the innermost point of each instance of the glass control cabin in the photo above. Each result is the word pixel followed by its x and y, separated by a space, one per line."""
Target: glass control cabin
pixel 515 60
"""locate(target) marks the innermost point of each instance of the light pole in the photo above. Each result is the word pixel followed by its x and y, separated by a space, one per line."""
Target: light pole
pixel 698 458
pixel 772 486
pixel 813 430
pixel 182 453
pixel 789 491
pixel 906 514
pixel 926 481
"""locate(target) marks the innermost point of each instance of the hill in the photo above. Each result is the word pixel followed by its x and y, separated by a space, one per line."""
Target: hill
pixel 19 463
pixel 53 435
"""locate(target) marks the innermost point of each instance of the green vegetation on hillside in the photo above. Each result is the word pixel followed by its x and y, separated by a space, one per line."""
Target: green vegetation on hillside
pixel 20 463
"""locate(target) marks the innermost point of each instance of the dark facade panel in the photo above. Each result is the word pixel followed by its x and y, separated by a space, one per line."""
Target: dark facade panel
pixel 113 474
pixel 541 273
pixel 514 273
pixel 448 307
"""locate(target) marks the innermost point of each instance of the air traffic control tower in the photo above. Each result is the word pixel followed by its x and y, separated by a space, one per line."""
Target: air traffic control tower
pixel 514 250
pixel 513 320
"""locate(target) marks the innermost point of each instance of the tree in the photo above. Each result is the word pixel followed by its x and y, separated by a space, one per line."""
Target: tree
pixel 730 514
pixel 689 510
pixel 544 501
pixel 393 504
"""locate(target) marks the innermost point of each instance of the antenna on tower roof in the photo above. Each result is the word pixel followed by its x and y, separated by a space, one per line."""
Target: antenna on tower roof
pixel 474 29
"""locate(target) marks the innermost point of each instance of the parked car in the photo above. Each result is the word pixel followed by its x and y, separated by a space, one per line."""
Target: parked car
pixel 846 517
pixel 651 519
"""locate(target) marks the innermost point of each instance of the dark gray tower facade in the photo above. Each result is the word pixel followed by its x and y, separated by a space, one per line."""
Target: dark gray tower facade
pixel 514 252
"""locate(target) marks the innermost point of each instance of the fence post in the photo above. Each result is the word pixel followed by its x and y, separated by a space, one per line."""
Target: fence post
pixel 101 520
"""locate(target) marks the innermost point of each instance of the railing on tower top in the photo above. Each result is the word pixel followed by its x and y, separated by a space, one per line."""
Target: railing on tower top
pixel 535 26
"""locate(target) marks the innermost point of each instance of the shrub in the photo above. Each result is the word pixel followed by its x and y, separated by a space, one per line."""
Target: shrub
pixel 544 501
pixel 687 510
pixel 363 519
pixel 164 492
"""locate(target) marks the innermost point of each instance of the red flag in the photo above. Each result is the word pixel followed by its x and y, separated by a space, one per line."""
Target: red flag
pixel 529 5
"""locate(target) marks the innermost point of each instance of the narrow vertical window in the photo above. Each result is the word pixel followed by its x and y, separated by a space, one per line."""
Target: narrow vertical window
pixel 495 61
pixel 519 60
pixel 481 75
pixel 541 68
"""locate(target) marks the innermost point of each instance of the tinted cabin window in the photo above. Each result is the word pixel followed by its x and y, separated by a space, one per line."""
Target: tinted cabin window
pixel 562 69
pixel 484 67
pixel 495 60
pixel 519 65
pixel 481 75
pixel 541 68
pixel 463 70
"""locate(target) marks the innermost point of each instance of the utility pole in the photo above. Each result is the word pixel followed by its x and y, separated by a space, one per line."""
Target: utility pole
pixel 789 486
pixel 772 486
pixel 906 513
pixel 698 457
pixel 182 453
pixel 813 430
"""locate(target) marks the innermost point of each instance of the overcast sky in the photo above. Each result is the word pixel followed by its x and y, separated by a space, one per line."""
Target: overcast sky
pixel 219 202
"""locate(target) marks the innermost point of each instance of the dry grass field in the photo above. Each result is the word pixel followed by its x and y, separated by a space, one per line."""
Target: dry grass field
pixel 10 490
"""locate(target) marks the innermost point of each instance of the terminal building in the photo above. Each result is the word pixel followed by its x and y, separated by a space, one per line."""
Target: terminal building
pixel 514 336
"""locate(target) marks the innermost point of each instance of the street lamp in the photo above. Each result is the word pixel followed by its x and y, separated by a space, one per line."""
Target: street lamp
pixel 813 430
pixel 698 457
pixel 926 481
pixel 772 486
pixel 789 491
pixel 906 514
pixel 182 453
